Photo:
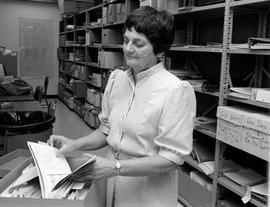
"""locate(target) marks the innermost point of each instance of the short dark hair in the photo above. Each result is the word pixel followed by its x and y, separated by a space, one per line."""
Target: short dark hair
pixel 157 26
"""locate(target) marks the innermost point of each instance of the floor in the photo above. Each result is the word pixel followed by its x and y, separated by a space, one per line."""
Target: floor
pixel 68 123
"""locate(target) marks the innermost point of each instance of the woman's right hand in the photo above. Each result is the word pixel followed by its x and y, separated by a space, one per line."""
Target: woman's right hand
pixel 62 143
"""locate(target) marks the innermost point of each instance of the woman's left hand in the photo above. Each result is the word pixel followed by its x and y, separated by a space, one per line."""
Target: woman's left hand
pixel 101 168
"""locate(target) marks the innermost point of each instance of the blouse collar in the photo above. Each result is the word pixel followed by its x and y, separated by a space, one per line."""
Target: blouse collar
pixel 146 73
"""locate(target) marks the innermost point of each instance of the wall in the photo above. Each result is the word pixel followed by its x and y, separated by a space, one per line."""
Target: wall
pixel 10 11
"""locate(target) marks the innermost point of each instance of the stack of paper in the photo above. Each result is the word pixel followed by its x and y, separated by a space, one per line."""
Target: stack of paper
pixel 241 92
pixel 227 166
pixel 245 177
pixel 259 43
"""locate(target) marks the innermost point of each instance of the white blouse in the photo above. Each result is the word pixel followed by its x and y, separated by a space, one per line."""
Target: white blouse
pixel 152 116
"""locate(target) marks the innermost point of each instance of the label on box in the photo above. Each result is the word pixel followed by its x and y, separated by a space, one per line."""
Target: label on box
pixel 256 143
pixel 230 133
pixel 258 122
pixel 230 114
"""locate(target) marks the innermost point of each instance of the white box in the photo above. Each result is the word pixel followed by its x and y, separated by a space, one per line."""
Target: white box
pixel 94 198
pixel 257 121
pixel 230 133
pixel 256 143
pixel 230 114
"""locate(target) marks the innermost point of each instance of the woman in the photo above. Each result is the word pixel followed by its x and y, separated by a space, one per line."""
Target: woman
pixel 146 119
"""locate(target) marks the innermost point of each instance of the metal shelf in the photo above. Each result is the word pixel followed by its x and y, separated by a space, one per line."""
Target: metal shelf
pixel 113 46
pixel 249 101
pixel 194 48
pixel 216 94
pixel 209 132
pixel 249 52
pixel 241 191
pixel 66 32
pixel 92 8
pixel 189 160
pixel 92 64
pixel 258 4
pixel 201 11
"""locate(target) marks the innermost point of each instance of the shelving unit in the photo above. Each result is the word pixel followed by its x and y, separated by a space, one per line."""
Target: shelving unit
pixel 196 47
pixel 82 51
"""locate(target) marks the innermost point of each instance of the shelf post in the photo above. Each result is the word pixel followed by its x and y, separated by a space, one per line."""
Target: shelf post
pixel 225 81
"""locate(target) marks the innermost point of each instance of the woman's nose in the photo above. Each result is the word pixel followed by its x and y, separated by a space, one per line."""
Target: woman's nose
pixel 129 47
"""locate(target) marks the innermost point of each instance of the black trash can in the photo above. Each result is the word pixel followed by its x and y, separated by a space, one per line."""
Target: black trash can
pixel 18 127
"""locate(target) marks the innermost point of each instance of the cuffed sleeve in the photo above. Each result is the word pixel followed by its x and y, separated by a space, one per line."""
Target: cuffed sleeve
pixel 105 110
pixel 175 132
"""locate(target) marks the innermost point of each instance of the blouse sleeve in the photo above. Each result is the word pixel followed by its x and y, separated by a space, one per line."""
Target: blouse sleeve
pixel 105 106
pixel 175 131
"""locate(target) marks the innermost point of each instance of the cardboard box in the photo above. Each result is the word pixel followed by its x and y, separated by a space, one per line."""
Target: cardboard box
pixel 123 11
pixel 112 36
pixel 15 141
pixel 230 114
pixel 152 3
pixel 119 12
pixel 245 117
pixel 111 13
pixel 94 198
pixel 230 133
pixel 93 97
pixel 195 194
pixel 108 59
pixel 11 160
pixel 73 6
pixel 105 15
pixel 256 143
pixel 257 121
pixel 249 140
pixel 96 79
pixel 131 5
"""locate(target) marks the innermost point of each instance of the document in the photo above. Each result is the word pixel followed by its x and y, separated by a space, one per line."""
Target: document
pixel 52 170
pixel 245 177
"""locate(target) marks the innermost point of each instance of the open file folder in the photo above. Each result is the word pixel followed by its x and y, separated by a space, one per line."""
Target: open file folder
pixel 53 171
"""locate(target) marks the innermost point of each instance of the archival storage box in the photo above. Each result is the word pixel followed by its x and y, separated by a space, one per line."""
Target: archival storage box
pixel 94 198
pixel 244 129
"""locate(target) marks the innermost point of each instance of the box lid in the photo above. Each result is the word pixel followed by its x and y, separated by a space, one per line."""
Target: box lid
pixel 12 160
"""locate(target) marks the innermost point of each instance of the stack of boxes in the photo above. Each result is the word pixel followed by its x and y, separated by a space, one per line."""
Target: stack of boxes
pixel 95 79
pixel 116 13
pixel 244 129
pixel 170 5
pixel 73 6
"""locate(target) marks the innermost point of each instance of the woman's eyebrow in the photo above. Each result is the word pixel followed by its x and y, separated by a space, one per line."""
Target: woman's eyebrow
pixel 136 39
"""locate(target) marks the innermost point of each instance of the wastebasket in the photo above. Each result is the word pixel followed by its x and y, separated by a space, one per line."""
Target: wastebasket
pixel 18 127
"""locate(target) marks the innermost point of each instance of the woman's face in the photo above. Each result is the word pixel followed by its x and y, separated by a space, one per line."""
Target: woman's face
pixel 138 51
